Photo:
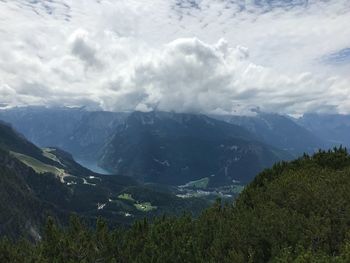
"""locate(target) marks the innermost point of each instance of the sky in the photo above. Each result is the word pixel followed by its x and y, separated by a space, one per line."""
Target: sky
pixel 205 56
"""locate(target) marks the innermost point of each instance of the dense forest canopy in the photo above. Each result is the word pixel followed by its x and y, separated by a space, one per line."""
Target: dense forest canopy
pixel 296 211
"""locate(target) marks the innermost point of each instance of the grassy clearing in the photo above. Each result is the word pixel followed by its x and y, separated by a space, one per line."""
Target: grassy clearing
pixel 39 166
pixel 145 207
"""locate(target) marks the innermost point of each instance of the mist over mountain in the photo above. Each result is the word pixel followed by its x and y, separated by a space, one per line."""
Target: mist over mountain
pixel 76 130
pixel 280 131
pixel 333 128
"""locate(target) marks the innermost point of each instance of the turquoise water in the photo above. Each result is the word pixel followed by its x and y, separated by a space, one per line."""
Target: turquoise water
pixel 92 166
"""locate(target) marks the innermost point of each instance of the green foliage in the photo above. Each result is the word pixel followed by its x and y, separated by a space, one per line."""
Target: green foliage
pixel 145 207
pixel 293 212
pixel 36 183
pixel 126 196
pixel 39 166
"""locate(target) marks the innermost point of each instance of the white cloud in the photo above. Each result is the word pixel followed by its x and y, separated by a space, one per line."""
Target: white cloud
pixel 189 75
pixel 171 55
pixel 83 49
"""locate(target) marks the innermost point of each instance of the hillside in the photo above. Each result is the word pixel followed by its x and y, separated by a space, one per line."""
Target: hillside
pixel 332 128
pixel 36 182
pixel 76 130
pixel 22 211
pixel 44 126
pixel 280 131
pixel 293 212
pixel 10 140
pixel 174 148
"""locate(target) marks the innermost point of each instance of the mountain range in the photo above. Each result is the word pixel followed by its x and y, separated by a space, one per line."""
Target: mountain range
pixel 332 128
pixel 38 182
pixel 157 162
pixel 79 132
pixel 282 132
pixel 177 148
pixel 158 147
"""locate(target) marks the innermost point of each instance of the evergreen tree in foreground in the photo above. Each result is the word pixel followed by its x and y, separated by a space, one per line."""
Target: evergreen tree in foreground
pixel 294 212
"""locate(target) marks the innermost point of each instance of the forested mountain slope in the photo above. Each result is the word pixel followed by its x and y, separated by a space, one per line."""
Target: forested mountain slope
pixel 293 212
pixel 76 130
pixel 37 182
pixel 22 212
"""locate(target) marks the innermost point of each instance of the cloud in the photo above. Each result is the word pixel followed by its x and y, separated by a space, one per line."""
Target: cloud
pixel 192 76
pixel 83 49
pixel 206 56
